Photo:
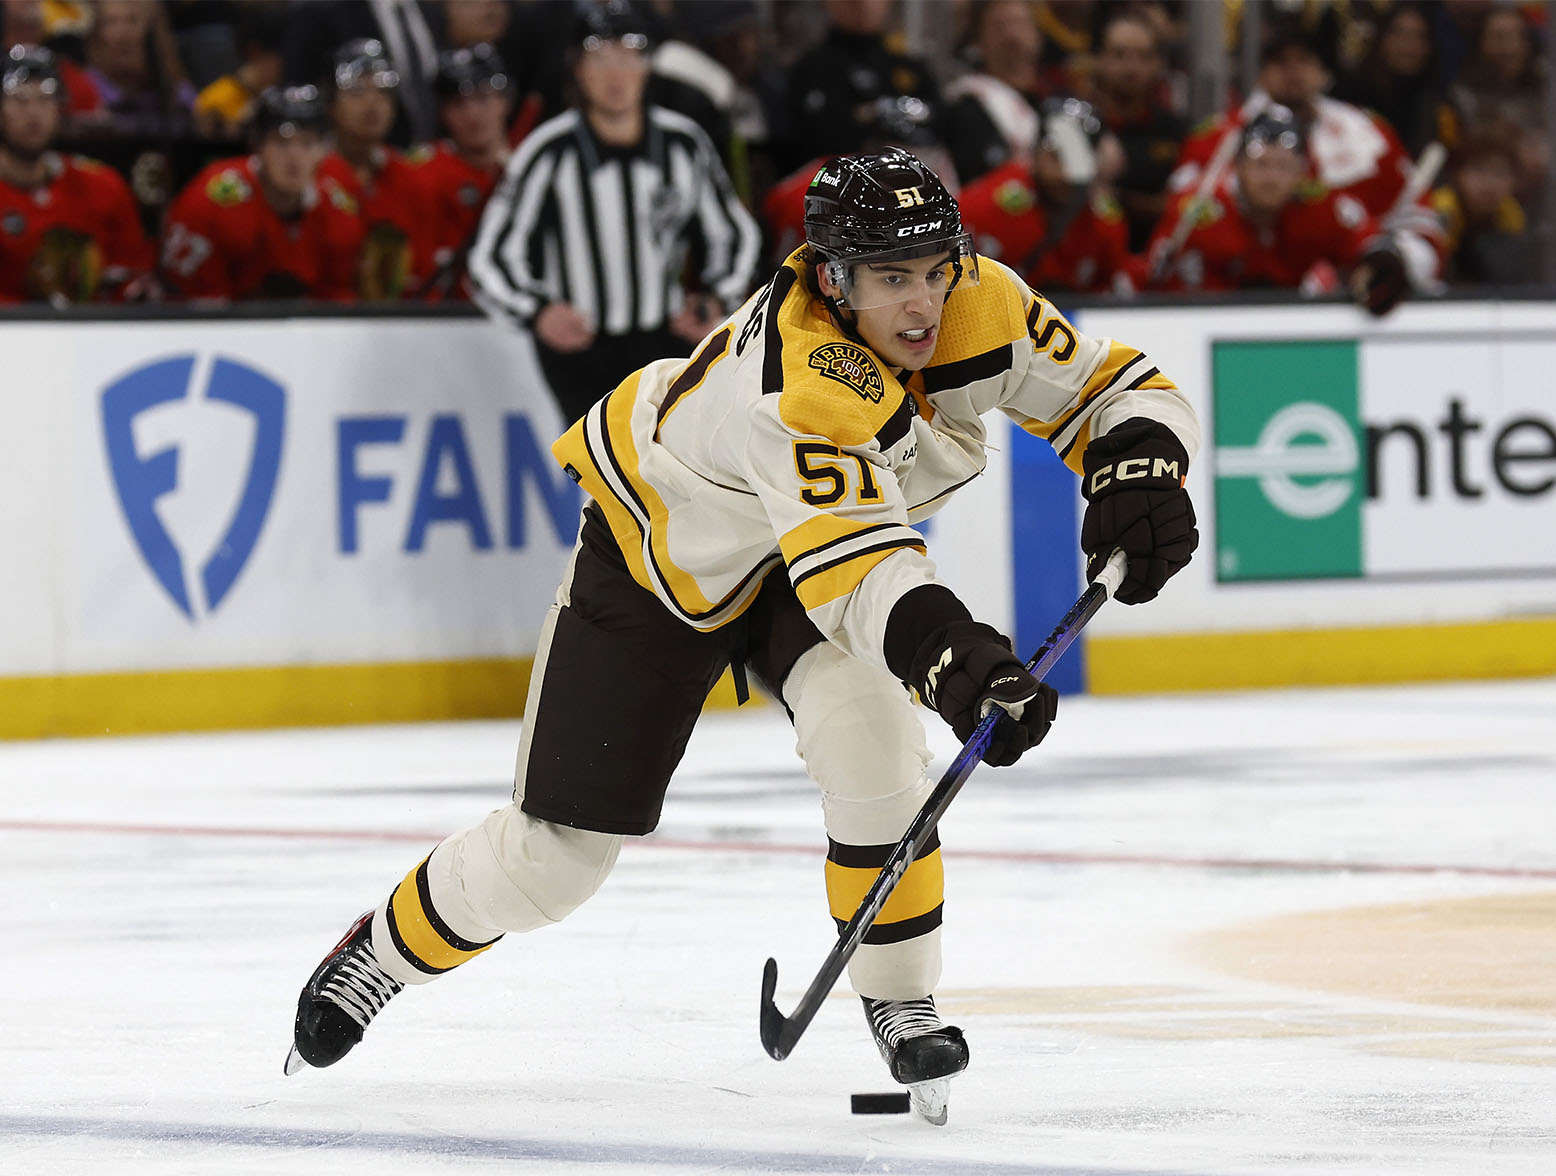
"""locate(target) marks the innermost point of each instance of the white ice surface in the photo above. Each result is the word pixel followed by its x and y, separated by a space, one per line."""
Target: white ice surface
pixel 165 898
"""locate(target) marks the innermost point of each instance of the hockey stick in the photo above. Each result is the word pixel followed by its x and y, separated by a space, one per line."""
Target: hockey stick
pixel 779 1033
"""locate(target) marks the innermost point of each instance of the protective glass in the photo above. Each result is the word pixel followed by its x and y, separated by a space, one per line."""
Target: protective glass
pixel 894 276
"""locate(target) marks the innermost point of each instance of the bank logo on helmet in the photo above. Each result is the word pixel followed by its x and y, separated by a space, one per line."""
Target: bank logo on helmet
pixel 850 365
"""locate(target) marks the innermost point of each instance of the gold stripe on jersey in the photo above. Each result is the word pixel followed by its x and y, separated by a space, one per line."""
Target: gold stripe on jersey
pixel 823 582
pixel 421 937
pixel 916 902
pixel 599 453
pixel 1123 368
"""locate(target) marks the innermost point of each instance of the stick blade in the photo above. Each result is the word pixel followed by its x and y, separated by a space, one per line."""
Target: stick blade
pixel 773 1023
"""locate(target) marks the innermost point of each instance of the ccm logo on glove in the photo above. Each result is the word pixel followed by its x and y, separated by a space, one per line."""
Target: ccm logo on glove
pixel 1135 501
pixel 1135 468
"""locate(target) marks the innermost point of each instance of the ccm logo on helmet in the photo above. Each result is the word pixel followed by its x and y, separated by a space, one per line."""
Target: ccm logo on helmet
pixel 920 230
pixel 1133 468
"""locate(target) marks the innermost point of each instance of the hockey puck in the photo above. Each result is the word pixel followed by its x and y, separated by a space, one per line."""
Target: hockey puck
pixel 895 1103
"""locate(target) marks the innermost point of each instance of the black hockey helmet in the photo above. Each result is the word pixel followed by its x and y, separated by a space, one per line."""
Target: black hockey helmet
pixel 604 21
pixel 1274 126
pixel 871 209
pixel 362 62
pixel 462 72
pixel 24 64
pixel 286 110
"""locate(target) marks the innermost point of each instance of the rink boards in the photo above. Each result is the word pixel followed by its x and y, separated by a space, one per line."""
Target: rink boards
pixel 228 522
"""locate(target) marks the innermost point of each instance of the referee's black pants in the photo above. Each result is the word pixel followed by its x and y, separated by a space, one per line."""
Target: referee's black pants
pixel 579 378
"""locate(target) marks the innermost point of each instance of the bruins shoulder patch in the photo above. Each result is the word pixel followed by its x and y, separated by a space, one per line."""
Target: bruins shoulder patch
pixel 850 365
pixel 228 188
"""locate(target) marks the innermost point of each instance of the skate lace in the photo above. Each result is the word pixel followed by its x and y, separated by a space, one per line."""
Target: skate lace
pixel 360 986
pixel 894 1021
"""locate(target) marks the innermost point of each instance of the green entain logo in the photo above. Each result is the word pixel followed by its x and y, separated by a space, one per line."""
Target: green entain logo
pixel 1276 461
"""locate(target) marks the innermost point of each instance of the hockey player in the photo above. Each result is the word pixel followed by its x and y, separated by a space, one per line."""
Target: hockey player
pixel 1271 225
pixel 474 96
pixel 752 507
pixel 264 226
pixel 390 193
pixel 1046 217
pixel 69 227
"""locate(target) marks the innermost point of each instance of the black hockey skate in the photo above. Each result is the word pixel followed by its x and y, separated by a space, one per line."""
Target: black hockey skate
pixel 344 993
pixel 920 1049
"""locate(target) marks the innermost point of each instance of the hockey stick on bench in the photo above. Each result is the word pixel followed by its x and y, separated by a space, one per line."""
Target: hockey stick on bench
pixel 779 1033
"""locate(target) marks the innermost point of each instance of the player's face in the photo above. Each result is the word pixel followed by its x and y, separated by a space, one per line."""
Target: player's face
pixel 897 307
pixel 1268 176
pixel 611 78
pixel 476 121
pixel 364 112
pixel 29 119
pixel 289 160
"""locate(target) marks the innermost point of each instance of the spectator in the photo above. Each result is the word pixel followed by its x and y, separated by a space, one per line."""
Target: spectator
pixel 834 89
pixel 1488 241
pixel 1066 27
pixel 222 110
pixel 1271 225
pixel 1398 78
pixel 1130 80
pixel 69 229
pixel 316 27
pixel 1048 216
pixel 1503 84
pixel 993 113
pixel 264 225
pixel 474 97
pixel 131 59
pixel 390 194
pixel 586 239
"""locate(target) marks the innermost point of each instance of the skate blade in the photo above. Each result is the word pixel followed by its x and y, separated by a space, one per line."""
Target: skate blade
pixel 294 1062
pixel 931 1100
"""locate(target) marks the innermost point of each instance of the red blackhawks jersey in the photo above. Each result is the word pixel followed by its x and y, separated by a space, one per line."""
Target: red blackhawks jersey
pixel 397 223
pixel 222 239
pixel 1353 151
pixel 457 192
pixel 73 238
pixel 1008 222
pixel 1226 251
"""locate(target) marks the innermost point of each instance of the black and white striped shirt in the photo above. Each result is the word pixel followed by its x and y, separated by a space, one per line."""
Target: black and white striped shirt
pixel 609 229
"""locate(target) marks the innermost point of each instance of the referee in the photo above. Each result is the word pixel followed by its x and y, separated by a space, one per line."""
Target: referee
pixel 600 214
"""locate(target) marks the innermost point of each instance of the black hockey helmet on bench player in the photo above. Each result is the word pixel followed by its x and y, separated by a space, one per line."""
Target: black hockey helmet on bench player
pixel 863 210
pixel 24 64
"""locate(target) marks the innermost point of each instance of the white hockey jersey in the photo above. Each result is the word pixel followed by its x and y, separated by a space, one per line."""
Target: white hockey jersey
pixel 785 442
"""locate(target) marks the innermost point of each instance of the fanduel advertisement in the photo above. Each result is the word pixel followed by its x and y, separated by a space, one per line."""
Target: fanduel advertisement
pixel 1411 458
pixel 282 492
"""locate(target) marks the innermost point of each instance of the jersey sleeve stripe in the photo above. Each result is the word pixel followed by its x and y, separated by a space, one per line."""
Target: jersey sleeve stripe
pixel 826 581
pixel 692 375
pixel 961 372
pixel 772 342
pixel 825 532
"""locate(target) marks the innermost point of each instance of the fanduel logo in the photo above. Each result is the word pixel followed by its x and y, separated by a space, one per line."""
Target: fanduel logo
pixel 142 479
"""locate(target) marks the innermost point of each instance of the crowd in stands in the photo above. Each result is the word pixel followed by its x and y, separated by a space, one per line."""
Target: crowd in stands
pixel 343 150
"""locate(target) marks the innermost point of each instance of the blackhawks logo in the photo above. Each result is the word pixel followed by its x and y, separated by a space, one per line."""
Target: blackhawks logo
pixel 227 188
pixel 850 365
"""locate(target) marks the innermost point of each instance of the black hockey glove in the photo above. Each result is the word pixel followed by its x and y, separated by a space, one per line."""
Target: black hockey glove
pixel 1379 280
pixel 967 664
pixel 1135 500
